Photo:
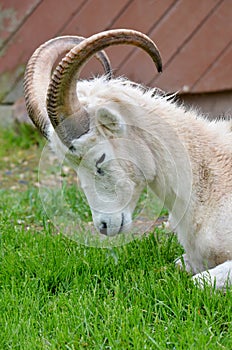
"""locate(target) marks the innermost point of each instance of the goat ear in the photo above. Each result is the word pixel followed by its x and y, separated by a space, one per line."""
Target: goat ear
pixel 109 122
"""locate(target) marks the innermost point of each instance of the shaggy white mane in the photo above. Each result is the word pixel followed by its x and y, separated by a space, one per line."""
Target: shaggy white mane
pixel 99 90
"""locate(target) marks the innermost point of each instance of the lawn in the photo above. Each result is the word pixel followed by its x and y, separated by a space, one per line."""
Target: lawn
pixel 58 294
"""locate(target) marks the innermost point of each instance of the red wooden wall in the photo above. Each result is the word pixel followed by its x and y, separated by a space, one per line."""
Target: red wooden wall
pixel 194 37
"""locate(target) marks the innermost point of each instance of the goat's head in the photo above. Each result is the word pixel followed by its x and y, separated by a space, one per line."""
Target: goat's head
pixel 94 137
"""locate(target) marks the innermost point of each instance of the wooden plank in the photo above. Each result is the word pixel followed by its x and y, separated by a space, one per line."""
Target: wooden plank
pixel 185 41
pixel 43 24
pixel 121 14
pixel 170 34
pixel 218 77
pixel 141 16
pixel 137 15
pixel 95 16
pixel 12 14
pixel 74 13
pixel 200 52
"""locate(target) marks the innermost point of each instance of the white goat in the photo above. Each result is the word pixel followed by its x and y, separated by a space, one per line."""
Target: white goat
pixel 120 137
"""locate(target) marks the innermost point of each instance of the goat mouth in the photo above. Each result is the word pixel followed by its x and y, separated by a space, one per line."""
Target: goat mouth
pixel 122 224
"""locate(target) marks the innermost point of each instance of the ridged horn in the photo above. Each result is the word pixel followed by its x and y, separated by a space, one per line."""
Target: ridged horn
pixel 38 74
pixel 67 115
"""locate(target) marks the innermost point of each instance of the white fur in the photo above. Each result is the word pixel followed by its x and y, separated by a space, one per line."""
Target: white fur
pixel 184 158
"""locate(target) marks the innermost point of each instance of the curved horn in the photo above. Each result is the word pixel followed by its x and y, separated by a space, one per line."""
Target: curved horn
pixel 64 109
pixel 38 74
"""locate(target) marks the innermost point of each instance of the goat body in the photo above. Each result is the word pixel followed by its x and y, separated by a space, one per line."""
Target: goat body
pixel 120 137
pixel 189 165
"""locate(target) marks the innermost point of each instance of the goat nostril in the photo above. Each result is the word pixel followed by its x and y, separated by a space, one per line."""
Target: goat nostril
pixel 103 228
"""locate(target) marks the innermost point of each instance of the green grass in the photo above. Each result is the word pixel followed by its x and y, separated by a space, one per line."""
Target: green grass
pixel 56 294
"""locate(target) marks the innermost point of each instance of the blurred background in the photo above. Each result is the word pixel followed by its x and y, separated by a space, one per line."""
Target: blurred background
pixel 193 36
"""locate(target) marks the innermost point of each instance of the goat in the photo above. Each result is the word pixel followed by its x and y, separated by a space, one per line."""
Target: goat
pixel 119 137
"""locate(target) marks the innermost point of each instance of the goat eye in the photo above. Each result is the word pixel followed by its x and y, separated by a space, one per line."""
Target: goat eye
pixel 100 171
pixel 100 160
